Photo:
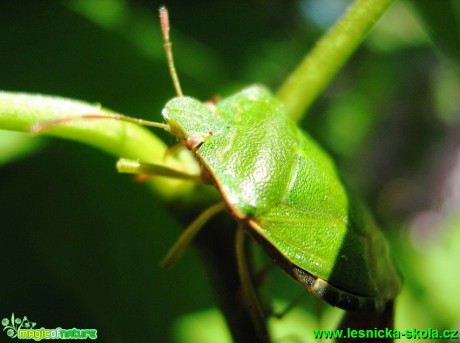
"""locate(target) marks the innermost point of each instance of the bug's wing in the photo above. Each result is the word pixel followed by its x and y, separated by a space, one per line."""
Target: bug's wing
pixel 279 180
pixel 332 248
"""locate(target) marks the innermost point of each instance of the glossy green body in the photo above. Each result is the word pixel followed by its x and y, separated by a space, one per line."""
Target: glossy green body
pixel 285 188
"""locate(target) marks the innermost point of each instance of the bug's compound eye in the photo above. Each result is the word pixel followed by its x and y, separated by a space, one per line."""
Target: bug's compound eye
pixel 194 143
pixel 211 105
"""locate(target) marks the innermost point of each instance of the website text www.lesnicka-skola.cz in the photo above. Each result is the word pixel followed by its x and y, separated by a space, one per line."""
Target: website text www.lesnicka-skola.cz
pixel 387 334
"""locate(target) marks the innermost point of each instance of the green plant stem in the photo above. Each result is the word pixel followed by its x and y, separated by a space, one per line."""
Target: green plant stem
pixel 19 112
pixel 317 69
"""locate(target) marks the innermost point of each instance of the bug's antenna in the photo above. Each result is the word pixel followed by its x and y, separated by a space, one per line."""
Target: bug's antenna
pixel 164 20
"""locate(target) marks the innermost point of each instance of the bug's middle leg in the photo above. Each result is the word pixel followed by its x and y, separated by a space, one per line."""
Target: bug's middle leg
pixel 249 294
pixel 189 233
pixel 135 167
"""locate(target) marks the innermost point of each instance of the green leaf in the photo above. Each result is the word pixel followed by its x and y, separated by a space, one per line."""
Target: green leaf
pixel 442 23
pixel 14 145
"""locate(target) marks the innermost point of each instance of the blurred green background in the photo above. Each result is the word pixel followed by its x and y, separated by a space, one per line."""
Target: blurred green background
pixel 80 245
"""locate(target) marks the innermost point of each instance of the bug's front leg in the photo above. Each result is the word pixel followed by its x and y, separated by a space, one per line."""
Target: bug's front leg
pixel 141 168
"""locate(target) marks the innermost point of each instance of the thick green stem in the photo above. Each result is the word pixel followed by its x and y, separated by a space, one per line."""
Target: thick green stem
pixel 19 112
pixel 314 73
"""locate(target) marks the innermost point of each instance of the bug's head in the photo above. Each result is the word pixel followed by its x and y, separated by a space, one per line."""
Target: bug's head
pixel 188 119
pixel 191 121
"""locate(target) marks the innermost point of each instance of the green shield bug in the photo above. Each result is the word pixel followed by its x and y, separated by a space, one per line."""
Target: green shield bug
pixel 283 188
